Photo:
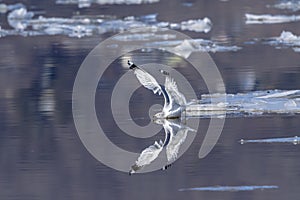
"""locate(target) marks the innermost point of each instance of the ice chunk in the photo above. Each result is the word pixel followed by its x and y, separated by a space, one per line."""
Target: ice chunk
pixel 231 188
pixel 286 39
pixel 84 3
pixel 296 49
pixel 254 103
pixel 199 25
pixel 87 3
pixel 288 5
pixel 270 19
pixel 144 37
pixel 294 140
pixel 289 38
pixel 280 94
pixel 184 48
pixel 19 18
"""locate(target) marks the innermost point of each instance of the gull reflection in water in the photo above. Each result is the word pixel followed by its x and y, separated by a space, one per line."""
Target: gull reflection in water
pixel 175 135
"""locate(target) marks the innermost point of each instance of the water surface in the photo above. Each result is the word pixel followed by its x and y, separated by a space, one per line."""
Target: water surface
pixel 42 156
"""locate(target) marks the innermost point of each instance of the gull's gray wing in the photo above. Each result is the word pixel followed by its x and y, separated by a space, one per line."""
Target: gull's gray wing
pixel 146 79
pixel 172 90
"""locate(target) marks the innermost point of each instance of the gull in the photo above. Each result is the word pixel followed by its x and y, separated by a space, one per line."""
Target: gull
pixel 174 101
pixel 175 135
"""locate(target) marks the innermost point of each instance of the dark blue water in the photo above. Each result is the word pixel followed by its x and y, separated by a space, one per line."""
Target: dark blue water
pixel 42 157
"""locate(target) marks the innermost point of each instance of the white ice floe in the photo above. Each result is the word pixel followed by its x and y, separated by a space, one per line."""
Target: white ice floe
pixel 230 188
pixel 252 103
pixel 288 5
pixel 296 49
pixel 79 26
pixel 87 3
pixel 286 39
pixel 144 37
pixel 200 25
pixel 185 48
pixel 289 38
pixel 196 25
pixel 19 18
pixel 294 140
pixel 270 19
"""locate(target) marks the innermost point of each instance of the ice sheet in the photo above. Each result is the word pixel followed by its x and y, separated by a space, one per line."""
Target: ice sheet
pixel 24 21
pixel 87 3
pixel 294 140
pixel 252 103
pixel 270 19
pixel 288 5
pixel 230 188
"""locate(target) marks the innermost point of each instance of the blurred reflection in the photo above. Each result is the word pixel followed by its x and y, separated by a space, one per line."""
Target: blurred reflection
pixel 175 135
pixel 247 80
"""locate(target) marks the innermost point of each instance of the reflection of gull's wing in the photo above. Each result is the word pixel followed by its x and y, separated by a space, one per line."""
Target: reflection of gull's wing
pixel 172 90
pixel 176 141
pixel 147 156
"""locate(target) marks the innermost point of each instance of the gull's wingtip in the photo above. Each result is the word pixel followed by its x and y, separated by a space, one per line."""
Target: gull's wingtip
pixel 131 64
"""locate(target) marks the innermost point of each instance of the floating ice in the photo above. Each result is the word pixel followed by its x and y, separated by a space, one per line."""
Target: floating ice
pixel 270 19
pixel 144 37
pixel 185 47
pixel 286 39
pixel 295 140
pixel 279 94
pixel 245 104
pixel 87 3
pixel 74 27
pixel 197 25
pixel 230 188
pixel 296 49
pixel 288 5
pixel 200 25
pixel 289 38
pixel 80 26
pixel 19 18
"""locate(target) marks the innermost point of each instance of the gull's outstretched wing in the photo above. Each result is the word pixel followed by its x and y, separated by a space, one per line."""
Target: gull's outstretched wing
pixel 172 90
pixel 146 79
pixel 147 156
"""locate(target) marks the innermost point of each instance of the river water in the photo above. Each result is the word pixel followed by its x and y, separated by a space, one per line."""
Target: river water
pixel 43 157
